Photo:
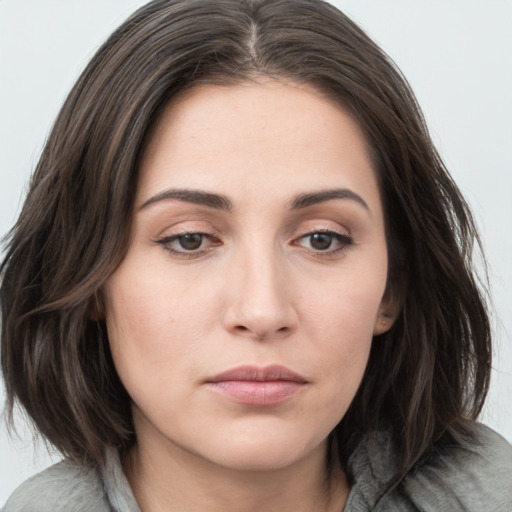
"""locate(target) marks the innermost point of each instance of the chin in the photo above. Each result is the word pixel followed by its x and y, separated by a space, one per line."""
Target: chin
pixel 264 451
pixel 258 459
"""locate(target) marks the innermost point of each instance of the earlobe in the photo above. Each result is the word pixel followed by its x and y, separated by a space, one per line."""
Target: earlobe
pixel 388 313
pixel 390 306
pixel 383 324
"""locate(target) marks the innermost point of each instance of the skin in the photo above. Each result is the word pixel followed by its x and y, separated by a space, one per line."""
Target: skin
pixel 260 289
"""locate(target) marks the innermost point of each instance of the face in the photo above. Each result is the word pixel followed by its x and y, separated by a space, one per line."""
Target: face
pixel 241 318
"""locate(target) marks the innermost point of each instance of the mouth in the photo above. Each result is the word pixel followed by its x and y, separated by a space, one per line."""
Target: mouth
pixel 258 387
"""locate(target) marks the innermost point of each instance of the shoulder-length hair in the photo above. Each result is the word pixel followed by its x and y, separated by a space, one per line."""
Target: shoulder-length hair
pixel 427 377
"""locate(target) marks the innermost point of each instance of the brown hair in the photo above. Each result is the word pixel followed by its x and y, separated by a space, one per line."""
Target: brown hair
pixel 426 377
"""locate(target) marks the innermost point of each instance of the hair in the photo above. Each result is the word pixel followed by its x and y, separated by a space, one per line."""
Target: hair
pixel 427 376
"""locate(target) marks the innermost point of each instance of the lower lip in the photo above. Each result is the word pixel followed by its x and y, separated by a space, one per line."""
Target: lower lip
pixel 257 393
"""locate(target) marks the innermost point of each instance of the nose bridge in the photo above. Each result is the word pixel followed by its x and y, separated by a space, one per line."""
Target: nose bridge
pixel 260 275
pixel 261 304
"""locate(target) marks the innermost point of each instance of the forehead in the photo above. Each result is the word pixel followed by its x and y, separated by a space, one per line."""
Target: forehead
pixel 266 135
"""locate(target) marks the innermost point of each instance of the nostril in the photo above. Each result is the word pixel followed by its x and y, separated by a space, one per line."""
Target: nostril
pixel 246 330
pixel 242 329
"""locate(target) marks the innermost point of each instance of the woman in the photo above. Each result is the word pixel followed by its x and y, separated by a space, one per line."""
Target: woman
pixel 241 279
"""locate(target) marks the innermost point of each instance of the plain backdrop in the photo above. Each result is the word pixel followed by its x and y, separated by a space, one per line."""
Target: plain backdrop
pixel 457 55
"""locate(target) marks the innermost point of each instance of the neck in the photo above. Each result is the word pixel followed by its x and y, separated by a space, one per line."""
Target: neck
pixel 174 480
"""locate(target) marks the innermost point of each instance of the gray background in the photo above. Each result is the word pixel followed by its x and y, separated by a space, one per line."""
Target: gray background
pixel 457 55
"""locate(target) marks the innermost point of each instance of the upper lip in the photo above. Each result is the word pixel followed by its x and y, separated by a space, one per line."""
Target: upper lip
pixel 258 374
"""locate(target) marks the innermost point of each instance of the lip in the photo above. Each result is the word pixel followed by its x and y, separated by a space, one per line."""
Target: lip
pixel 255 386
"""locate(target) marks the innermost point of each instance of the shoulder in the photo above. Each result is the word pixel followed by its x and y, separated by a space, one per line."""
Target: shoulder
pixel 66 486
pixel 471 475
pixel 474 475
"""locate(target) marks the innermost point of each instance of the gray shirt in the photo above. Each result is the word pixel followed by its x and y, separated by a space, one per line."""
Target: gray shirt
pixel 456 478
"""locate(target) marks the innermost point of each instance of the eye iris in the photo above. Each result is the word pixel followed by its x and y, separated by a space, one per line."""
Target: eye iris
pixel 321 241
pixel 191 242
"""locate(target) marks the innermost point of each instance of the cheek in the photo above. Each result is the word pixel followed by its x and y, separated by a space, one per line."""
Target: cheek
pixel 344 311
pixel 145 307
pixel 338 329
pixel 339 321
pixel 158 328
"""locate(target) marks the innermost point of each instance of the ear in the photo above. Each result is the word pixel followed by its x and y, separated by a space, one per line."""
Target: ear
pixel 389 310
pixel 96 310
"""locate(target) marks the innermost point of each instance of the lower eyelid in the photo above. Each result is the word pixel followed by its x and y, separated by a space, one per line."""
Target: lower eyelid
pixel 211 240
pixel 342 240
pixel 166 242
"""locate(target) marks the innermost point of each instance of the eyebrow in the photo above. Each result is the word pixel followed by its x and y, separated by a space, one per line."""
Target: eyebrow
pixel 221 202
pixel 310 199
pixel 216 201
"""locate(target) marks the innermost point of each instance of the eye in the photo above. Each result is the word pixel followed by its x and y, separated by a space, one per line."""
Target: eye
pixel 325 241
pixel 188 244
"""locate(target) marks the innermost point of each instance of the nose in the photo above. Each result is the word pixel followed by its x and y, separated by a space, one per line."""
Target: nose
pixel 260 304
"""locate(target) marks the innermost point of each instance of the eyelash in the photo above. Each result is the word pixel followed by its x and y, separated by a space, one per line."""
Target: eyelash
pixel 345 242
pixel 166 242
